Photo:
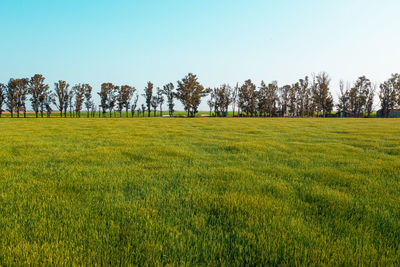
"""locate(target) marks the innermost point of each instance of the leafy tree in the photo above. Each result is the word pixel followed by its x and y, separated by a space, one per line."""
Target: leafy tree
pixel 123 97
pixel 370 100
pixel 322 95
pixel 69 103
pixel 88 98
pixel 303 96
pixel 262 99
pixel 248 98
pixel 38 91
pixel 168 91
pixel 79 93
pixel 190 92
pixel 107 97
pixel 293 98
pixel 388 95
pixel 148 94
pixel 12 96
pixel 271 97
pixel 61 92
pixel 358 96
pixel 3 96
pixel 17 90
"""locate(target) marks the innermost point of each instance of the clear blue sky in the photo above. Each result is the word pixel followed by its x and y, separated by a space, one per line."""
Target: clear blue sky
pixel 131 42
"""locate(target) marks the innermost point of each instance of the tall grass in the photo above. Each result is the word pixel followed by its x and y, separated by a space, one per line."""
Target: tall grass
pixel 200 192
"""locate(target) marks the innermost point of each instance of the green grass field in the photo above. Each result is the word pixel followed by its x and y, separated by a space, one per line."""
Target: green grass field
pixel 200 191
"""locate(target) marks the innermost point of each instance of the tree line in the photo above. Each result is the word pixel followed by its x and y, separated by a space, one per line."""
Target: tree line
pixel 307 97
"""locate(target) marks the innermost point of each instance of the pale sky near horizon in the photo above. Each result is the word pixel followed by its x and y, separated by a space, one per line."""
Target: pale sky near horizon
pixel 132 42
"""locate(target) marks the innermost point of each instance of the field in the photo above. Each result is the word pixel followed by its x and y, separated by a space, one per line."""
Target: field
pixel 200 191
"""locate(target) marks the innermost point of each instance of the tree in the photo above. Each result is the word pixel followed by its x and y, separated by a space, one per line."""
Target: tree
pixel 190 92
pixel 38 91
pixel 3 95
pixel 322 95
pixel 168 91
pixel 293 98
pixel 262 99
pixel 370 100
pixel 234 98
pixel 211 102
pixel 123 98
pixel 134 105
pixel 107 97
pixel 11 95
pixel 69 103
pixel 160 99
pixel 48 100
pixel 388 94
pixel 358 96
pixel 61 92
pixel 79 92
pixel 343 98
pixel 143 109
pixel 88 98
pixel 271 97
pixel 17 90
pixel 221 96
pixel 303 96
pixel 284 98
pixel 154 104
pixel 148 94
pixel 248 98
pixel 21 90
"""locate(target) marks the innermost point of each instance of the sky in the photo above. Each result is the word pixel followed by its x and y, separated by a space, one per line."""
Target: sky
pixel 221 41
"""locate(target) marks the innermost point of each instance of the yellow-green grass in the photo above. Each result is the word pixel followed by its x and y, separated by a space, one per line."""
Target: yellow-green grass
pixel 223 191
